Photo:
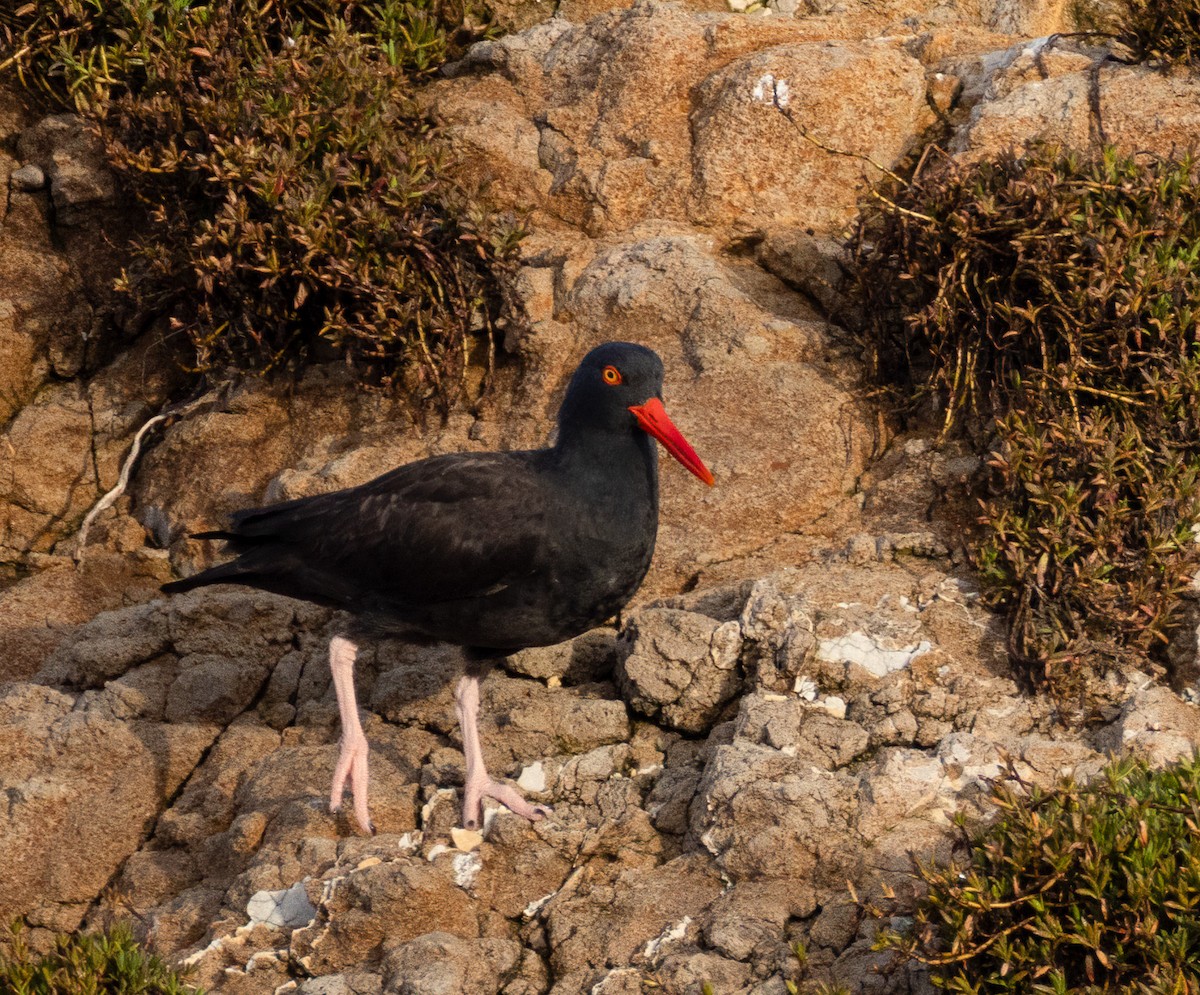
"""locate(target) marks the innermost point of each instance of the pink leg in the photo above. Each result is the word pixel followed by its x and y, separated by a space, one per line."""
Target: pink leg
pixel 478 785
pixel 352 760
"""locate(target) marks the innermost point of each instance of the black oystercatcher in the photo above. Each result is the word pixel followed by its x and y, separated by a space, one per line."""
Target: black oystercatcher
pixel 492 551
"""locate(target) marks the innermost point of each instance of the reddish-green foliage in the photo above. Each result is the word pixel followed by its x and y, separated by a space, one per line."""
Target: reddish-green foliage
pixel 1166 31
pixel 304 206
pixel 1046 303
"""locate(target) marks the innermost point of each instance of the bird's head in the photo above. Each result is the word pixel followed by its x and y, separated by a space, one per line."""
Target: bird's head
pixel 618 387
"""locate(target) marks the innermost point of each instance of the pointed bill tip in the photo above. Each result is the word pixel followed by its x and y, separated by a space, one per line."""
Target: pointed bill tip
pixel 652 418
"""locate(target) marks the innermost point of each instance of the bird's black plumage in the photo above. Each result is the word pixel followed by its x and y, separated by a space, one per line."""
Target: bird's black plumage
pixel 493 551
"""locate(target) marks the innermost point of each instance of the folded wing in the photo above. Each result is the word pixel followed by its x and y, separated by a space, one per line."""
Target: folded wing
pixel 445 529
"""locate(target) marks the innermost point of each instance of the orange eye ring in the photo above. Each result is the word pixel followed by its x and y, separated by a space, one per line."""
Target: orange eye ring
pixel 612 376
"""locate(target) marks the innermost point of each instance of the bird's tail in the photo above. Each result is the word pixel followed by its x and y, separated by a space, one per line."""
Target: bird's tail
pixel 266 555
pixel 225 573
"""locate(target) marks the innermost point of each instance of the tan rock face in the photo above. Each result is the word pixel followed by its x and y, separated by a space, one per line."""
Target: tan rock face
pixel 19 373
pixel 85 779
pixel 39 608
pixel 63 449
pixel 653 113
pixel 37 491
pixel 1021 17
pixel 763 125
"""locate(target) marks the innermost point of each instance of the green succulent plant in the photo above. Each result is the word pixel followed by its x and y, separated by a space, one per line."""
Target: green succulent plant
pixel 1080 890
pixel 110 963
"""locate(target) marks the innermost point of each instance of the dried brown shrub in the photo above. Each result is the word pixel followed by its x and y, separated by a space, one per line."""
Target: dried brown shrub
pixel 1047 304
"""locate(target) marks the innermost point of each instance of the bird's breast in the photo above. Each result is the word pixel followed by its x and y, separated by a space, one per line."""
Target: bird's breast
pixel 583 574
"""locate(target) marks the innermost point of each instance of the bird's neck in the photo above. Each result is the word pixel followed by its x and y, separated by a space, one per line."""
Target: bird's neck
pixel 618 467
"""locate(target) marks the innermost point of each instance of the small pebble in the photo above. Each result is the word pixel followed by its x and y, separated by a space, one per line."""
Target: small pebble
pixel 533 778
pixel 835 706
pixel 465 839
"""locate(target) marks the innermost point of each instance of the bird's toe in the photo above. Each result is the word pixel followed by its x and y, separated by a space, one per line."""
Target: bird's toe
pixel 473 822
pixel 352 767
pixel 514 801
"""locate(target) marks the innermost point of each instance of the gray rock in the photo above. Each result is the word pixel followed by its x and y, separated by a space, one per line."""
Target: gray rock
pixel 692 971
pixel 1020 105
pixel 1156 723
pixel 801 729
pixel 287 908
pixel 679 668
pixel 609 920
pixel 764 815
pixel 73 157
pixel 671 798
pixel 351 983
pixel 778 629
pixel 388 903
pixel 836 924
pixel 28 178
pixel 747 922
pixel 812 265
pixel 587 658
pixel 109 645
pixel 214 688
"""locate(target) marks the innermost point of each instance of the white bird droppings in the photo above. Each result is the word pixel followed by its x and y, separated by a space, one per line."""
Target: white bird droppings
pixel 769 90
pixel 859 648
pixel 676 932
pixel 466 869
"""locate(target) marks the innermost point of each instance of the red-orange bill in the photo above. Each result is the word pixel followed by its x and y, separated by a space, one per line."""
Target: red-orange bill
pixel 652 417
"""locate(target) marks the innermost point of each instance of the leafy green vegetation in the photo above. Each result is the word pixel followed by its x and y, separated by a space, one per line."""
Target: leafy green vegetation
pixel 804 985
pixel 304 206
pixel 87 964
pixel 1046 306
pixel 1083 889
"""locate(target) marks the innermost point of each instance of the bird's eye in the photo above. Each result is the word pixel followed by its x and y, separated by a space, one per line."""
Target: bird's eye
pixel 612 376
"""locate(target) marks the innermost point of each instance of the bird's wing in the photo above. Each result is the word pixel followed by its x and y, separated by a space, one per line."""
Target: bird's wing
pixel 443 529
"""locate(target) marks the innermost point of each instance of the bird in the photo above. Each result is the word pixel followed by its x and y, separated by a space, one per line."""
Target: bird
pixel 492 551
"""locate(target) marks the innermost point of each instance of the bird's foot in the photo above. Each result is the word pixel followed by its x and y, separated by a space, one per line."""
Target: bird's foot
pixel 479 788
pixel 352 764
